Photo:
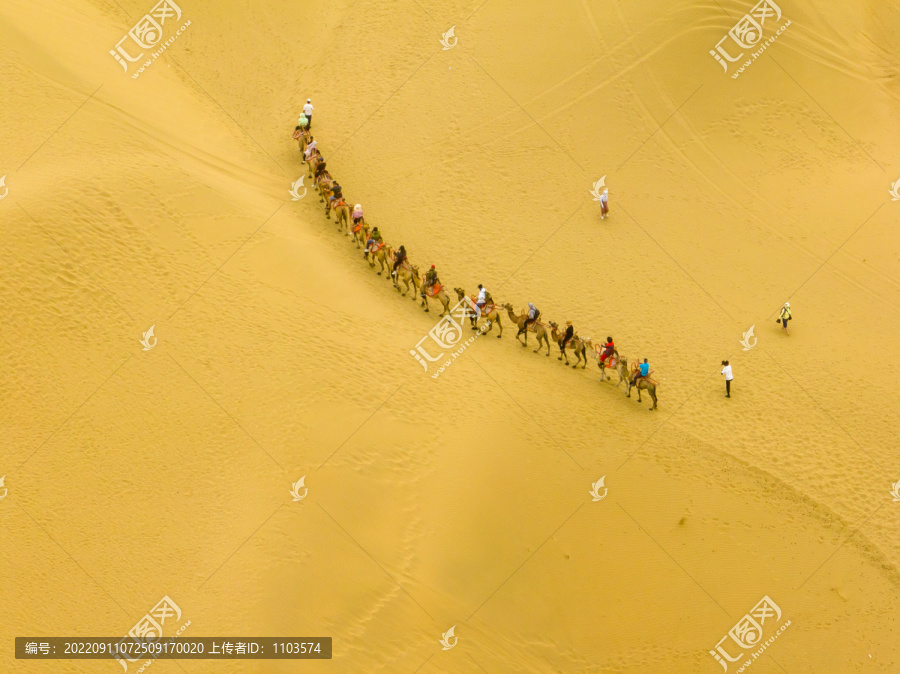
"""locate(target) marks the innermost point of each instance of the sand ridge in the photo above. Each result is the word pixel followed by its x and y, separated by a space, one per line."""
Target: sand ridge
pixel 463 500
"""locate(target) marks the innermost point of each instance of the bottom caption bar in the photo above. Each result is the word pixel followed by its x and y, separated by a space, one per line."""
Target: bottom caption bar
pixel 133 649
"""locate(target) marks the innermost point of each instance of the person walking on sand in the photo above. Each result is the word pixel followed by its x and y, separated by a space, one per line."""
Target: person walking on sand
pixel 726 370
pixel 308 110
pixel 784 316
pixel 604 204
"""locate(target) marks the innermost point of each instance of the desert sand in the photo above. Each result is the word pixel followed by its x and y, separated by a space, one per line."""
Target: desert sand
pixel 460 501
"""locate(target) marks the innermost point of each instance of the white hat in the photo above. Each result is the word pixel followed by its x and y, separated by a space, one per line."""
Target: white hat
pixel 787 304
pixel 309 100
pixel 358 207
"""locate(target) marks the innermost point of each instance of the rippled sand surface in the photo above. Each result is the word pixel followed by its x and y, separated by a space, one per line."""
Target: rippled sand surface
pixel 160 197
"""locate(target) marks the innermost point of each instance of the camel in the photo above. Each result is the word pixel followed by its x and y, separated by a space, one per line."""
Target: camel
pixel 324 185
pixel 602 364
pixel 622 371
pixel 303 141
pixel 490 311
pixel 361 234
pixel 437 294
pixel 339 206
pixel 314 161
pixel 341 215
pixel 540 329
pixel 323 180
pixel 624 374
pixel 577 344
pixel 382 257
pixel 408 274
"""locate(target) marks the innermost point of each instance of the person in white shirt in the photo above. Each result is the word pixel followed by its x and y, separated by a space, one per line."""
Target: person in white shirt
pixel 728 378
pixel 531 317
pixel 308 110
pixel 604 204
pixel 480 301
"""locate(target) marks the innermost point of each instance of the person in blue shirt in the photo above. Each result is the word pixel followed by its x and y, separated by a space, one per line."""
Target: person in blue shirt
pixel 643 371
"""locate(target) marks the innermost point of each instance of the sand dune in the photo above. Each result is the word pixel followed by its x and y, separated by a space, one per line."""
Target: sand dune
pixel 464 501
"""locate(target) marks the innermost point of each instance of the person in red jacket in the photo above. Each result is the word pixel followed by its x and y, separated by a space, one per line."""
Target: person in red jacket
pixel 608 350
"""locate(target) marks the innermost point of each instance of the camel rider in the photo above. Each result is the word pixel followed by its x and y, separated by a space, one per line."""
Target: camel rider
pixel 374 237
pixel 431 279
pixel 570 333
pixel 297 132
pixel 399 258
pixel 312 147
pixel 357 214
pixel 481 300
pixel 320 169
pixel 608 350
pixel 303 121
pixel 643 372
pixel 337 194
pixel 533 314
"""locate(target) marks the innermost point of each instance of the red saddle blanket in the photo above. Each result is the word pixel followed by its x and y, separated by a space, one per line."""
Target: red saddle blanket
pixel 635 371
pixel 433 290
pixel 611 360
pixel 486 309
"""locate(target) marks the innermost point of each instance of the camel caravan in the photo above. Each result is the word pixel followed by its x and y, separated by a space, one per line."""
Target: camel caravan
pixel 409 281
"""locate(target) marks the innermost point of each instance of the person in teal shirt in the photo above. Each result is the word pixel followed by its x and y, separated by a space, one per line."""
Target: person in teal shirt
pixel 643 371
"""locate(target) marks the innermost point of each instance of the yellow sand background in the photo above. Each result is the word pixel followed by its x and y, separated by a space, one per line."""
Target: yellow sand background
pixel 462 500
